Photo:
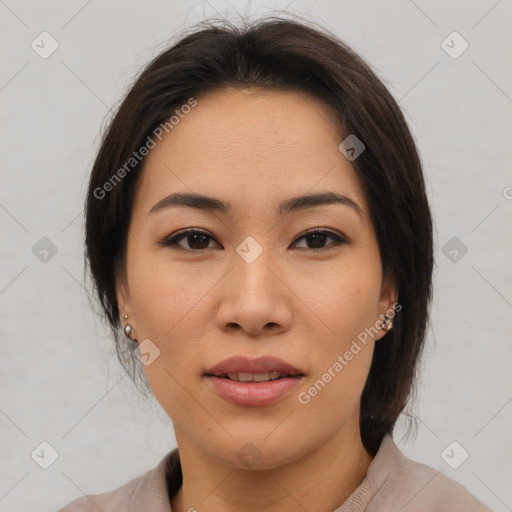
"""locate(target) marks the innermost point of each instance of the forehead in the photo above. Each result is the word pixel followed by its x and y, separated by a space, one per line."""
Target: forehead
pixel 253 143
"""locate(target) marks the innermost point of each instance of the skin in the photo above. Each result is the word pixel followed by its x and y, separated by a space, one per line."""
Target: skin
pixel 254 149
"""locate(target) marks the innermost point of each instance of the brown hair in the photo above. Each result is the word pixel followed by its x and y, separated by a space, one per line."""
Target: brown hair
pixel 280 54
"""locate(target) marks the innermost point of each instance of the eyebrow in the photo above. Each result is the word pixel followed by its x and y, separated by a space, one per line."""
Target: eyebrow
pixel 207 203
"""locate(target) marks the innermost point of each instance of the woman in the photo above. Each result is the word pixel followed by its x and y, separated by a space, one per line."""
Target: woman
pixel 258 227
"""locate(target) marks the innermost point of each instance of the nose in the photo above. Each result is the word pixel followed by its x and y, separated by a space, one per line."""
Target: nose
pixel 254 299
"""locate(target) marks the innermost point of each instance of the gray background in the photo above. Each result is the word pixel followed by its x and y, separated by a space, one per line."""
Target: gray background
pixel 59 378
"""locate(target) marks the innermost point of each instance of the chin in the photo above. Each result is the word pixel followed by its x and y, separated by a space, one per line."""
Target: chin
pixel 259 452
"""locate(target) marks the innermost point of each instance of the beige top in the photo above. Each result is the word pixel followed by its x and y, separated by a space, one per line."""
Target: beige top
pixel 393 483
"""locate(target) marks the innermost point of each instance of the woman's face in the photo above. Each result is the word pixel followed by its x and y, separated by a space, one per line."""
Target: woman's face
pixel 253 283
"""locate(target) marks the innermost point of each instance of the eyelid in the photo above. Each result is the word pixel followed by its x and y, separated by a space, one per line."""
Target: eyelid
pixel 174 238
pixel 171 240
pixel 339 237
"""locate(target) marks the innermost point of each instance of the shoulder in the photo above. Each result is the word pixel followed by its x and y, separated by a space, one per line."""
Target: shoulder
pixel 117 499
pixel 403 484
pixel 149 488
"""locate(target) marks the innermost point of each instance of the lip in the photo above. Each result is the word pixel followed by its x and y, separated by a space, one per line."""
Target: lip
pixel 259 365
pixel 253 393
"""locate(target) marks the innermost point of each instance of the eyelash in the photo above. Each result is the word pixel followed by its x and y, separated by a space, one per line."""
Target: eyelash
pixel 172 241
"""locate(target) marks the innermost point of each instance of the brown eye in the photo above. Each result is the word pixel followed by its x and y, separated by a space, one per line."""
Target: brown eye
pixel 316 239
pixel 195 240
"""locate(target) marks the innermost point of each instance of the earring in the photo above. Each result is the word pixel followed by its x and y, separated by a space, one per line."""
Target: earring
pixel 387 323
pixel 128 329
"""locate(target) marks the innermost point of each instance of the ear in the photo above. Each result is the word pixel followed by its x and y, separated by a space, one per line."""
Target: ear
pixel 123 300
pixel 387 302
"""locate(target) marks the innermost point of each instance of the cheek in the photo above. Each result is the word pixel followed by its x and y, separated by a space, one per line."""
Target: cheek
pixel 348 305
pixel 342 362
pixel 334 397
pixel 348 301
pixel 165 304
pixel 172 307
pixel 163 296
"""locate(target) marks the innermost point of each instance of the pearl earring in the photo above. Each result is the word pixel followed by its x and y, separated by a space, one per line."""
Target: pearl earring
pixel 128 329
pixel 387 323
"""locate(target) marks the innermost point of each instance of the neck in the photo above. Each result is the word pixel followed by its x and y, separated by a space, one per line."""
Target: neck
pixel 318 481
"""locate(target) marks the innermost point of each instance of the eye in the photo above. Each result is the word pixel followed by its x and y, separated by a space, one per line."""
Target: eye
pixel 317 237
pixel 196 240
